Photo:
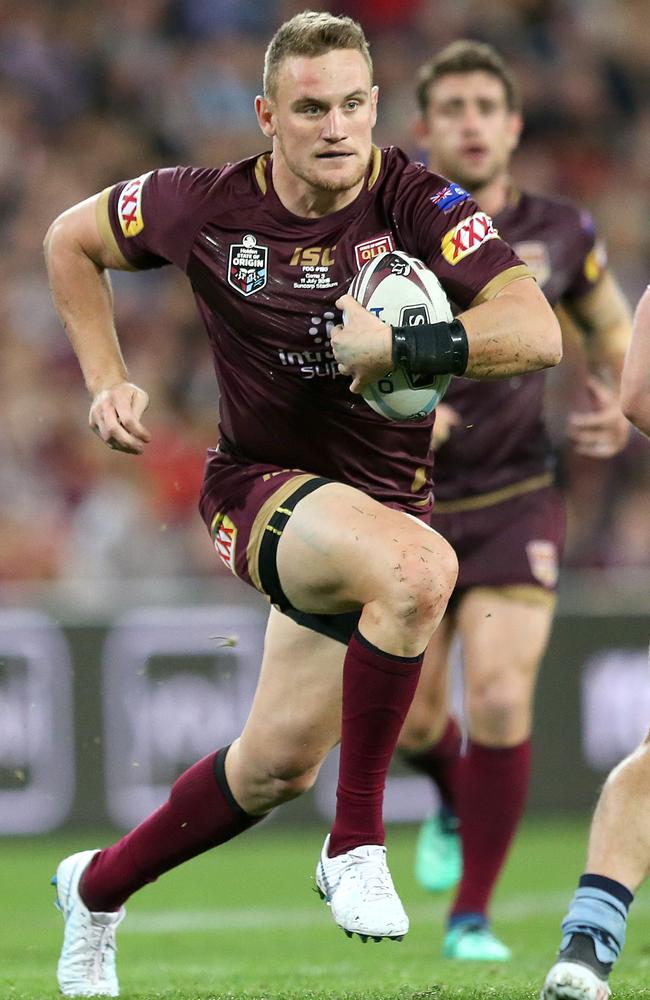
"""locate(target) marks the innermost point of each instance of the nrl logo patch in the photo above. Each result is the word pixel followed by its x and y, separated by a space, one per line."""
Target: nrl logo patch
pixel 534 254
pixel 248 265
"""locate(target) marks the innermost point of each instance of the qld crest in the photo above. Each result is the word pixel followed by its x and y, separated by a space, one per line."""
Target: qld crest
pixel 248 265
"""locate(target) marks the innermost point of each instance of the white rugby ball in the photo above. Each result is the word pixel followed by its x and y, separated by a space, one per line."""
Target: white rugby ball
pixel 401 291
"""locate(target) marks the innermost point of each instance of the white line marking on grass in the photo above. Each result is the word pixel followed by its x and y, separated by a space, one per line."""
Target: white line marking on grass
pixel 524 906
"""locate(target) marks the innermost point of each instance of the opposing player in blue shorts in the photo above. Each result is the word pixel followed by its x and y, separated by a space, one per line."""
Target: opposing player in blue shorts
pixel 618 858
pixel 496 499
pixel 306 495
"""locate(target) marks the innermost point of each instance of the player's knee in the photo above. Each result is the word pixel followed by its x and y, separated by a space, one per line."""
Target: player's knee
pixel 288 778
pixel 421 581
pixel 499 704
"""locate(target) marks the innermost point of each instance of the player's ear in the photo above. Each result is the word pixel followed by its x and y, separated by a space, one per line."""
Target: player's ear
pixel 264 112
pixel 516 127
pixel 374 97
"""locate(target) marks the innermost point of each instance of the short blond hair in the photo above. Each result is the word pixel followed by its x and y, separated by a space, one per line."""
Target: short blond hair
pixel 466 56
pixel 312 33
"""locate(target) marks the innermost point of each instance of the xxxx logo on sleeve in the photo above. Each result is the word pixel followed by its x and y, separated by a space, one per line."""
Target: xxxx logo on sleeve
pixel 224 536
pixel 467 236
pixel 129 206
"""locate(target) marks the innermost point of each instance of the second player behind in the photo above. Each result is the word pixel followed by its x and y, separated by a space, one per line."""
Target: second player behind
pixel 496 498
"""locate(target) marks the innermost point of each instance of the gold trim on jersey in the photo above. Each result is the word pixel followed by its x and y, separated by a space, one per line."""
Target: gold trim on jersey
pixel 419 479
pixel 495 497
pixel 261 523
pixel 528 593
pixel 260 172
pixel 375 167
pixel 106 231
pixel 494 286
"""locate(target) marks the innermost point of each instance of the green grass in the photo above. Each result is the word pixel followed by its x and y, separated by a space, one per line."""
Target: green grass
pixel 243 922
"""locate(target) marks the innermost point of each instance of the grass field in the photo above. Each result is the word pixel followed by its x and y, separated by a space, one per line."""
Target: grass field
pixel 243 922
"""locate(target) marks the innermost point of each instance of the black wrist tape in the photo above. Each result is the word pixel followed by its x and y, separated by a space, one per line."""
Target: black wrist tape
pixel 431 348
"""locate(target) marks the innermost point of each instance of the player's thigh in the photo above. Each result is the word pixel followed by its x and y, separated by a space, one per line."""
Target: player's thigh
pixel 341 549
pixel 295 719
pixel 504 634
pixel 429 709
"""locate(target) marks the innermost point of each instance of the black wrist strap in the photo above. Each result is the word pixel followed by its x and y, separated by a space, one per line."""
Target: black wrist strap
pixel 431 348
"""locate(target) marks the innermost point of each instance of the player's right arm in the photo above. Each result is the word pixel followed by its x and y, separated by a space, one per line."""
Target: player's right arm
pixel 77 260
pixel 635 382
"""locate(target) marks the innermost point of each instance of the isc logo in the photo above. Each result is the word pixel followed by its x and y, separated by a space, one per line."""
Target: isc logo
pixel 313 256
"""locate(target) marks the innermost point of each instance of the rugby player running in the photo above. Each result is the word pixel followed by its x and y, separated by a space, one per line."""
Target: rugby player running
pixel 618 856
pixel 496 501
pixel 307 492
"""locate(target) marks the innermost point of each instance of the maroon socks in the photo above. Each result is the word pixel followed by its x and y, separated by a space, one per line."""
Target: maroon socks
pixel 440 762
pixel 490 798
pixel 199 814
pixel 378 689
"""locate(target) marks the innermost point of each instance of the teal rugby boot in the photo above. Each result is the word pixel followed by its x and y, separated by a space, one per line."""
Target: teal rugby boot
pixel 438 855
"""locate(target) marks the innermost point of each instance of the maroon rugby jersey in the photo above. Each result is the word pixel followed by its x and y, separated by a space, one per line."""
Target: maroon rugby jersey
pixel 501 438
pixel 265 283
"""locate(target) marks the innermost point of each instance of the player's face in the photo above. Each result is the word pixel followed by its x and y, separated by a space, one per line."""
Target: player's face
pixel 321 119
pixel 468 129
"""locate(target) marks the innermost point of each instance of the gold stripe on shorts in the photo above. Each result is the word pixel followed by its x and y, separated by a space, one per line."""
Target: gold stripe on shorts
pixel 261 522
pixel 495 497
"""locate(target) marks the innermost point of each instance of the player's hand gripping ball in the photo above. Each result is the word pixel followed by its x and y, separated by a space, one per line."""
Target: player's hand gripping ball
pixel 401 291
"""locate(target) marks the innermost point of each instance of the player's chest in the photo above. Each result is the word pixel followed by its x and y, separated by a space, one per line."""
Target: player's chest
pixel 287 270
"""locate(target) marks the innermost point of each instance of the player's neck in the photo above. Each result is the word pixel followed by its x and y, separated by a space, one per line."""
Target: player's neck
pixel 493 196
pixel 302 199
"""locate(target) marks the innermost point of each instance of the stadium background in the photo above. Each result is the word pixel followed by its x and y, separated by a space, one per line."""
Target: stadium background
pixel 96 679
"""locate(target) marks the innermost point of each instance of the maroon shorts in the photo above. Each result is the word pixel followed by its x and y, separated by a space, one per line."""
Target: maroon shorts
pixel 516 542
pixel 245 507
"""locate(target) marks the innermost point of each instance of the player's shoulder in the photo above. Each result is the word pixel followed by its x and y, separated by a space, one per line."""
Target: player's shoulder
pixel 557 209
pixel 408 178
pixel 197 182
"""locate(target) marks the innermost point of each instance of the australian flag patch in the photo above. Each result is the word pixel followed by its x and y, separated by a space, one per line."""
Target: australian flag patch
pixel 449 196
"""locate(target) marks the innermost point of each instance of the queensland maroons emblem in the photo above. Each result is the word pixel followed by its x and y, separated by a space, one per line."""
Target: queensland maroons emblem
pixel 248 265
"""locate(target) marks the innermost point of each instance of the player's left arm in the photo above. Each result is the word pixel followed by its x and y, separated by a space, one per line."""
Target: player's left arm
pixel 635 382
pixel 512 333
pixel 603 317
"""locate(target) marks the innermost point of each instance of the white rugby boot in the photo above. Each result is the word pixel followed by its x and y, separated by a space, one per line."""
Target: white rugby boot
pixel 571 981
pixel 87 962
pixel 359 890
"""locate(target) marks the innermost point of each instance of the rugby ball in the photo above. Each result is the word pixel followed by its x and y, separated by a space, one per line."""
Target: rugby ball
pixel 401 291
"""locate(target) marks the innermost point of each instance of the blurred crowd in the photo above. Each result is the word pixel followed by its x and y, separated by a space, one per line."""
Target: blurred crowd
pixel 93 92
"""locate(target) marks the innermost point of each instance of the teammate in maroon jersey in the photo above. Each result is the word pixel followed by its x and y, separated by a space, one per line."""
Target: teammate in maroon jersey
pixel 495 497
pixel 305 495
pixel 618 857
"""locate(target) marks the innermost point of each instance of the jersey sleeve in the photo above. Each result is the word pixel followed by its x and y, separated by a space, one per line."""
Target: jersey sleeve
pixel 152 220
pixel 444 227
pixel 590 256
